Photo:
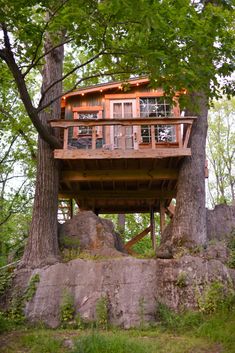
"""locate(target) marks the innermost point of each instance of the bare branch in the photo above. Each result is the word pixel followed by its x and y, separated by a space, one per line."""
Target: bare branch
pixel 66 75
pixel 77 83
pixel 24 94
pixel 8 150
pixel 35 62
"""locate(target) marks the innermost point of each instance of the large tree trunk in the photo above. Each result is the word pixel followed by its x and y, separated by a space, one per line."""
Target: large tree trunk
pixel 188 226
pixel 189 221
pixel 42 247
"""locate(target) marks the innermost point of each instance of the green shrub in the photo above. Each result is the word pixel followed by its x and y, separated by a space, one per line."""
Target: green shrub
pixel 32 287
pixel 231 246
pixel 97 343
pixel 5 324
pixel 6 276
pixel 178 321
pixel 215 297
pixel 40 342
pixel 102 313
pixel 182 280
pixel 67 310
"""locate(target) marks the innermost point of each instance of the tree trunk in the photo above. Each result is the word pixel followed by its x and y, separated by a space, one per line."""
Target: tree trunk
pixel 42 247
pixel 189 221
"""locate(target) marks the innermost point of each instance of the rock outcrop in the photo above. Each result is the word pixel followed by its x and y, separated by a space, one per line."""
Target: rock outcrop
pixel 220 222
pixel 88 232
pixel 133 287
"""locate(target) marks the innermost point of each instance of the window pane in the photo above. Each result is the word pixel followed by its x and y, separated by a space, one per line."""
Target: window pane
pixel 145 134
pixel 165 133
pixel 117 110
pixel 128 110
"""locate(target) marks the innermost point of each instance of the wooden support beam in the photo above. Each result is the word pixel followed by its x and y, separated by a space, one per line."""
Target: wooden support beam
pixel 122 154
pixel 119 194
pixel 162 217
pixel 187 135
pixel 137 238
pixel 71 208
pixel 119 174
pixel 171 210
pixel 152 227
pixel 124 122
pixel 88 108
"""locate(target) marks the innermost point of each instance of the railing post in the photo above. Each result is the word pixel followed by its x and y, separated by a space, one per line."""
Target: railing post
pixel 123 137
pixel 153 141
pixel 66 138
pixel 93 138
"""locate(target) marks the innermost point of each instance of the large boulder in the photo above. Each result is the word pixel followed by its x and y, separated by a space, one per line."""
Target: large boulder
pixel 220 222
pixel 132 287
pixel 88 232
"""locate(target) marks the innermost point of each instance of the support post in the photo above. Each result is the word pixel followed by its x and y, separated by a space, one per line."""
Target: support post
pixel 121 224
pixel 162 217
pixel 152 225
pixel 71 208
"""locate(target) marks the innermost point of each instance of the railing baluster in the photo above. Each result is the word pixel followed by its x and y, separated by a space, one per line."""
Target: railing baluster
pixel 66 138
pixel 153 141
pixel 93 138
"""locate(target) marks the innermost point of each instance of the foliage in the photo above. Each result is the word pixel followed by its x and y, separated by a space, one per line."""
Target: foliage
pixel 17 168
pixel 41 343
pixel 231 246
pixel 134 224
pixel 15 312
pixel 182 280
pixel 70 254
pixel 102 313
pixel 97 343
pixel 192 332
pixel 67 310
pixel 5 279
pixel 214 297
pixel 171 320
pixel 32 287
pixel 221 152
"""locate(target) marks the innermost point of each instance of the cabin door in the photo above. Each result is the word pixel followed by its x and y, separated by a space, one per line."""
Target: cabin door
pixel 123 137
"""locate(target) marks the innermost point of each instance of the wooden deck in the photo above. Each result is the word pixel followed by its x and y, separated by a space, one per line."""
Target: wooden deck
pixel 107 179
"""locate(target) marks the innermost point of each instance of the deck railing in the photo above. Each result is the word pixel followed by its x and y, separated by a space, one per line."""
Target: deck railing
pixel 182 126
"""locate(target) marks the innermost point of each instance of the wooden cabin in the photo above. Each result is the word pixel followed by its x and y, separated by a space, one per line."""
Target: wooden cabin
pixel 123 143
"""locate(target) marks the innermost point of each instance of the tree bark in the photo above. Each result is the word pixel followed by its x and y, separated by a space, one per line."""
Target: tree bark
pixel 42 247
pixel 188 226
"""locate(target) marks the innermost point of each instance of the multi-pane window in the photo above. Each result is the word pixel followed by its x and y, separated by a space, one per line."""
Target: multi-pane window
pixel 85 130
pixel 123 110
pixel 156 107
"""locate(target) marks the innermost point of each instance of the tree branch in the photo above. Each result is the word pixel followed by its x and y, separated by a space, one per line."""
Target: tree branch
pixel 34 63
pixel 77 83
pixel 66 75
pixel 24 94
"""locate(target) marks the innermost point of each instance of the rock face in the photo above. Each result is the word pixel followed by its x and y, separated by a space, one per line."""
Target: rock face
pixel 220 222
pixel 89 232
pixel 133 287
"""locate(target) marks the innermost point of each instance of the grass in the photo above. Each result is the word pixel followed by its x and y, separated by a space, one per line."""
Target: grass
pixel 187 333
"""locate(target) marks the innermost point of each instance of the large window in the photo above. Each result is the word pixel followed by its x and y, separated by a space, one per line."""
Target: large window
pixel 156 107
pixel 84 130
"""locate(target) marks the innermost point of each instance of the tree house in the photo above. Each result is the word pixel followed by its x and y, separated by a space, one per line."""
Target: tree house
pixel 122 147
